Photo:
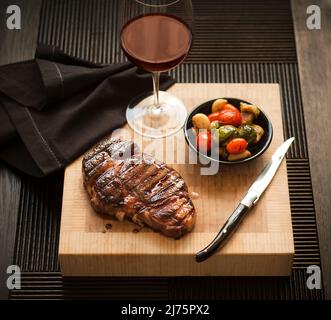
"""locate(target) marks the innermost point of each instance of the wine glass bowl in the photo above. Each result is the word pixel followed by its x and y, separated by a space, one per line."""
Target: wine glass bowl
pixel 156 36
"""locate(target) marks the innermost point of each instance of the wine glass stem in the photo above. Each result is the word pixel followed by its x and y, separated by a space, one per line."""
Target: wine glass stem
pixel 156 87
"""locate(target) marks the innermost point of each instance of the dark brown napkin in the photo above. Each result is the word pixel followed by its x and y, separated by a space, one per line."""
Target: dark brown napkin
pixel 53 108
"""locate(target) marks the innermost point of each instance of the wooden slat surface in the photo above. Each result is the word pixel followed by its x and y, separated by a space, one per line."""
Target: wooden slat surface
pixel 263 244
pixel 225 31
pixel 10 187
pixel 314 58
pixel 19 45
pixel 16 45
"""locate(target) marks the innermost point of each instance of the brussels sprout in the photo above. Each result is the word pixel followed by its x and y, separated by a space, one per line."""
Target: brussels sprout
pixel 215 125
pixel 247 117
pixel 259 132
pixel 244 107
pixel 226 132
pixel 247 132
pixel 223 153
pixel 239 156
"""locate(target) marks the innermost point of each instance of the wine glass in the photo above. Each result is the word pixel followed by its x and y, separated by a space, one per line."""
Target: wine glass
pixel 156 35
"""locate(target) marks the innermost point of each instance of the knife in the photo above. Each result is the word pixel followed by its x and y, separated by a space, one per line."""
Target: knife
pixel 252 196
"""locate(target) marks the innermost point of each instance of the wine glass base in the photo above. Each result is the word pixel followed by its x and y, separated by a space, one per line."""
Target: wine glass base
pixel 150 122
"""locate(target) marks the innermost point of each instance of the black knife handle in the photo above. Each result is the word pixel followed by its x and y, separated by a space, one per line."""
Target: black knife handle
pixel 224 234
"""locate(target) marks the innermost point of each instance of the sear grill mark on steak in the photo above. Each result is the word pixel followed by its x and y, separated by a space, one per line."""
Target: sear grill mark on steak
pixel 122 181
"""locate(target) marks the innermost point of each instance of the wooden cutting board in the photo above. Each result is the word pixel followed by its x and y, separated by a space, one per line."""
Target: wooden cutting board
pixel 262 246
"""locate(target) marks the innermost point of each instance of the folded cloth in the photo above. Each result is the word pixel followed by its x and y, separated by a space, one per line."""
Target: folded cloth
pixel 55 107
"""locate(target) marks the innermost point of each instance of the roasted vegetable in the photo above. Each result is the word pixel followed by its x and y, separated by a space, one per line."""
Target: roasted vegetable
pixel 247 117
pixel 239 156
pixel 214 134
pixel 223 153
pixel 229 106
pixel 259 132
pixel 237 145
pixel 226 132
pixel 244 107
pixel 218 104
pixel 247 132
pixel 232 117
pixel 215 125
pixel 204 141
pixel 200 121
pixel 214 116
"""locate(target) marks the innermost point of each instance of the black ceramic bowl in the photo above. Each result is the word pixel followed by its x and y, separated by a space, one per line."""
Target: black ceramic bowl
pixel 256 150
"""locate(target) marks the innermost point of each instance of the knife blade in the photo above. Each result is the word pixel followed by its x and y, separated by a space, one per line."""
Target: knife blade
pixel 250 199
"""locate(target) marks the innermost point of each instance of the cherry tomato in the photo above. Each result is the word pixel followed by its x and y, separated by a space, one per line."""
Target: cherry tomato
pixel 231 117
pixel 229 106
pixel 204 141
pixel 214 117
pixel 237 145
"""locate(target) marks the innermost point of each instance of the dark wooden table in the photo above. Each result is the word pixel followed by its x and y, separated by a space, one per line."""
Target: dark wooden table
pixel 314 58
pixel 257 44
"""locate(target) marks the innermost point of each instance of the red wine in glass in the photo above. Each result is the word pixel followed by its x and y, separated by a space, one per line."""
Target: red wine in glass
pixel 156 36
pixel 156 42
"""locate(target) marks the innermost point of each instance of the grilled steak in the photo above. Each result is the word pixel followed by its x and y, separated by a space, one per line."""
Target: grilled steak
pixel 123 182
